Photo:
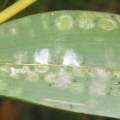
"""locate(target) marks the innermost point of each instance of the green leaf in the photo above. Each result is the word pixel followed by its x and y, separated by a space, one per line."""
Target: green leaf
pixel 67 60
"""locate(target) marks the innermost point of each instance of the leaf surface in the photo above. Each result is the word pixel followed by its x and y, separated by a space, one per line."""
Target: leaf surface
pixel 67 60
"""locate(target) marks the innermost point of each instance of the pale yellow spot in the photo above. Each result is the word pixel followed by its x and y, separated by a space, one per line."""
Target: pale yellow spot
pixel 64 22
pixel 52 13
pixel 42 56
pixel 102 74
pixel 50 78
pixel 20 57
pixel 63 79
pixel 117 18
pixel 24 70
pixel 4 69
pixel 77 88
pixel 97 88
pixel 33 77
pixel 45 20
pixel 99 83
pixel 116 74
pixel 42 69
pixel 71 59
pixel 86 22
pixel 14 31
pixel 107 24
pixel 13 72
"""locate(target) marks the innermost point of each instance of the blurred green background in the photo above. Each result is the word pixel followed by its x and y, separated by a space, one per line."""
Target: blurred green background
pixel 12 110
pixel 112 6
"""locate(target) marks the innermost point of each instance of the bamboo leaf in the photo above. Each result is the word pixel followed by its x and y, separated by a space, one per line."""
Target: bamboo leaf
pixel 67 60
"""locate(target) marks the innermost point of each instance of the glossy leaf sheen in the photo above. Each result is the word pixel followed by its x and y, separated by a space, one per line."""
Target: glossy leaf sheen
pixel 67 60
